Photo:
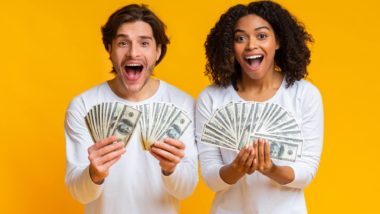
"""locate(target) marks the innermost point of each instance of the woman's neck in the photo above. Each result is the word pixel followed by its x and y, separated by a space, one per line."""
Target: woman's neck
pixel 259 89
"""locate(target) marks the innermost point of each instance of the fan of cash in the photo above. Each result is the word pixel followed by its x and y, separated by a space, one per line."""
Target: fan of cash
pixel 107 119
pixel 161 120
pixel 238 124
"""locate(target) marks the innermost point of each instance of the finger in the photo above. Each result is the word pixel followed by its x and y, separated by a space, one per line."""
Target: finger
pixel 176 143
pixel 110 148
pixel 267 153
pixel 111 155
pixel 166 166
pixel 250 159
pixel 104 142
pixel 165 155
pixel 108 164
pixel 235 162
pixel 261 154
pixel 256 146
pixel 253 167
pixel 162 160
pixel 170 148
pixel 244 156
pixel 94 154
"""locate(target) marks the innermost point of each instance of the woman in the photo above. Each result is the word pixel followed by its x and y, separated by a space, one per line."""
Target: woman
pixel 258 52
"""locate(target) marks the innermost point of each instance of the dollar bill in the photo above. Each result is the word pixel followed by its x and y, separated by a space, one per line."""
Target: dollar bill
pixel 126 124
pixel 177 128
pixel 238 124
pixel 161 120
pixel 106 119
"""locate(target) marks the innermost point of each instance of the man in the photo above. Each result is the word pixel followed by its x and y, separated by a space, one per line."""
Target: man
pixel 111 178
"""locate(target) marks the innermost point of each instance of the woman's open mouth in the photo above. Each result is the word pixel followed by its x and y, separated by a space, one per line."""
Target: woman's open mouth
pixel 254 61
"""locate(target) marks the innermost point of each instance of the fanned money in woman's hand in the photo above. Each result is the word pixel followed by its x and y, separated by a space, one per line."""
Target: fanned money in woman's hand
pixel 238 124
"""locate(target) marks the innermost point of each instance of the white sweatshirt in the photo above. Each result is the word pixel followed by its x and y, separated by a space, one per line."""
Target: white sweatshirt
pixel 257 193
pixel 135 183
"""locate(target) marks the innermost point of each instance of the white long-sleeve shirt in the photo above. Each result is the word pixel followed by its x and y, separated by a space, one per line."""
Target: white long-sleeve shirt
pixel 135 183
pixel 257 193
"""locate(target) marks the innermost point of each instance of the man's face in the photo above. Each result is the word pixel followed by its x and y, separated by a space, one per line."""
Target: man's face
pixel 133 53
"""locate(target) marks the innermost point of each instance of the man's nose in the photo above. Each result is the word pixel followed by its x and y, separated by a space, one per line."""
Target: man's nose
pixel 134 50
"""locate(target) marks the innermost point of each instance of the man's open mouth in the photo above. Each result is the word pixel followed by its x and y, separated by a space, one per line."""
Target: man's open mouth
pixel 133 71
pixel 133 68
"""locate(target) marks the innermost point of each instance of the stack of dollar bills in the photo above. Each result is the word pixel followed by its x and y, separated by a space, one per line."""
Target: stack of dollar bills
pixel 161 120
pixel 156 121
pixel 107 119
pixel 238 124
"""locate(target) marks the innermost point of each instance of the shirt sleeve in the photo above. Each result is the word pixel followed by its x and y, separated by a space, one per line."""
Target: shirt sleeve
pixel 210 156
pixel 78 139
pixel 312 126
pixel 182 182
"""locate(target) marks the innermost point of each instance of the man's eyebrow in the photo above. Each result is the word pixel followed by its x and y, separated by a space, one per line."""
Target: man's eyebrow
pixel 126 36
pixel 121 35
pixel 146 37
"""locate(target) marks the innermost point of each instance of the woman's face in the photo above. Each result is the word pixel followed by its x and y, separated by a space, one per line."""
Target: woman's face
pixel 254 46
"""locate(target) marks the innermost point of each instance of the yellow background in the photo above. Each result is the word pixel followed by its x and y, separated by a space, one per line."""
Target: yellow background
pixel 51 51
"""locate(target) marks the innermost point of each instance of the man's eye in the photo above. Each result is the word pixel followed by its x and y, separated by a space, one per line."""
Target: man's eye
pixel 122 44
pixel 145 44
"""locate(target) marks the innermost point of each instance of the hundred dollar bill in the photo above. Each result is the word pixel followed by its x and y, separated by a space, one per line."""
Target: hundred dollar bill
pixel 273 114
pixel 210 131
pixel 221 117
pixel 167 118
pixel 283 151
pixel 281 140
pixel 106 119
pixel 117 111
pixel 126 124
pixel 90 127
pixel 280 137
pixel 238 124
pixel 177 128
pixel 217 142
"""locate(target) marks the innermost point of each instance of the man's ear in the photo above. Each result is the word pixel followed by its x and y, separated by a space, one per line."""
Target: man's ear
pixel 158 49
pixel 109 47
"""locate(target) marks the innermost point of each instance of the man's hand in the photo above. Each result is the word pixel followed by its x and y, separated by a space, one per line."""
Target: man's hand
pixel 169 153
pixel 102 155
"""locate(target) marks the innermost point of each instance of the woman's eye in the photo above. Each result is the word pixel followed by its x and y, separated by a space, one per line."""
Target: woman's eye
pixel 262 36
pixel 240 38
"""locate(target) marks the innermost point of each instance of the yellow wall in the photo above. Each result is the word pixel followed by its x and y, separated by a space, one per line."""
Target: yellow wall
pixel 52 50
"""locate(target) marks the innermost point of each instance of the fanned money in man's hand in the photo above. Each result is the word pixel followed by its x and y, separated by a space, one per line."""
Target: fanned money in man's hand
pixel 238 124
pixel 112 119
pixel 161 120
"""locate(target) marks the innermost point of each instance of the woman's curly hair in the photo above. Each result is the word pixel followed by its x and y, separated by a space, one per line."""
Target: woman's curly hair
pixel 291 58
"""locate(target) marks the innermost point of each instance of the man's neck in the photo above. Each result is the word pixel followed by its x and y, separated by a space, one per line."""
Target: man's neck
pixel 147 91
